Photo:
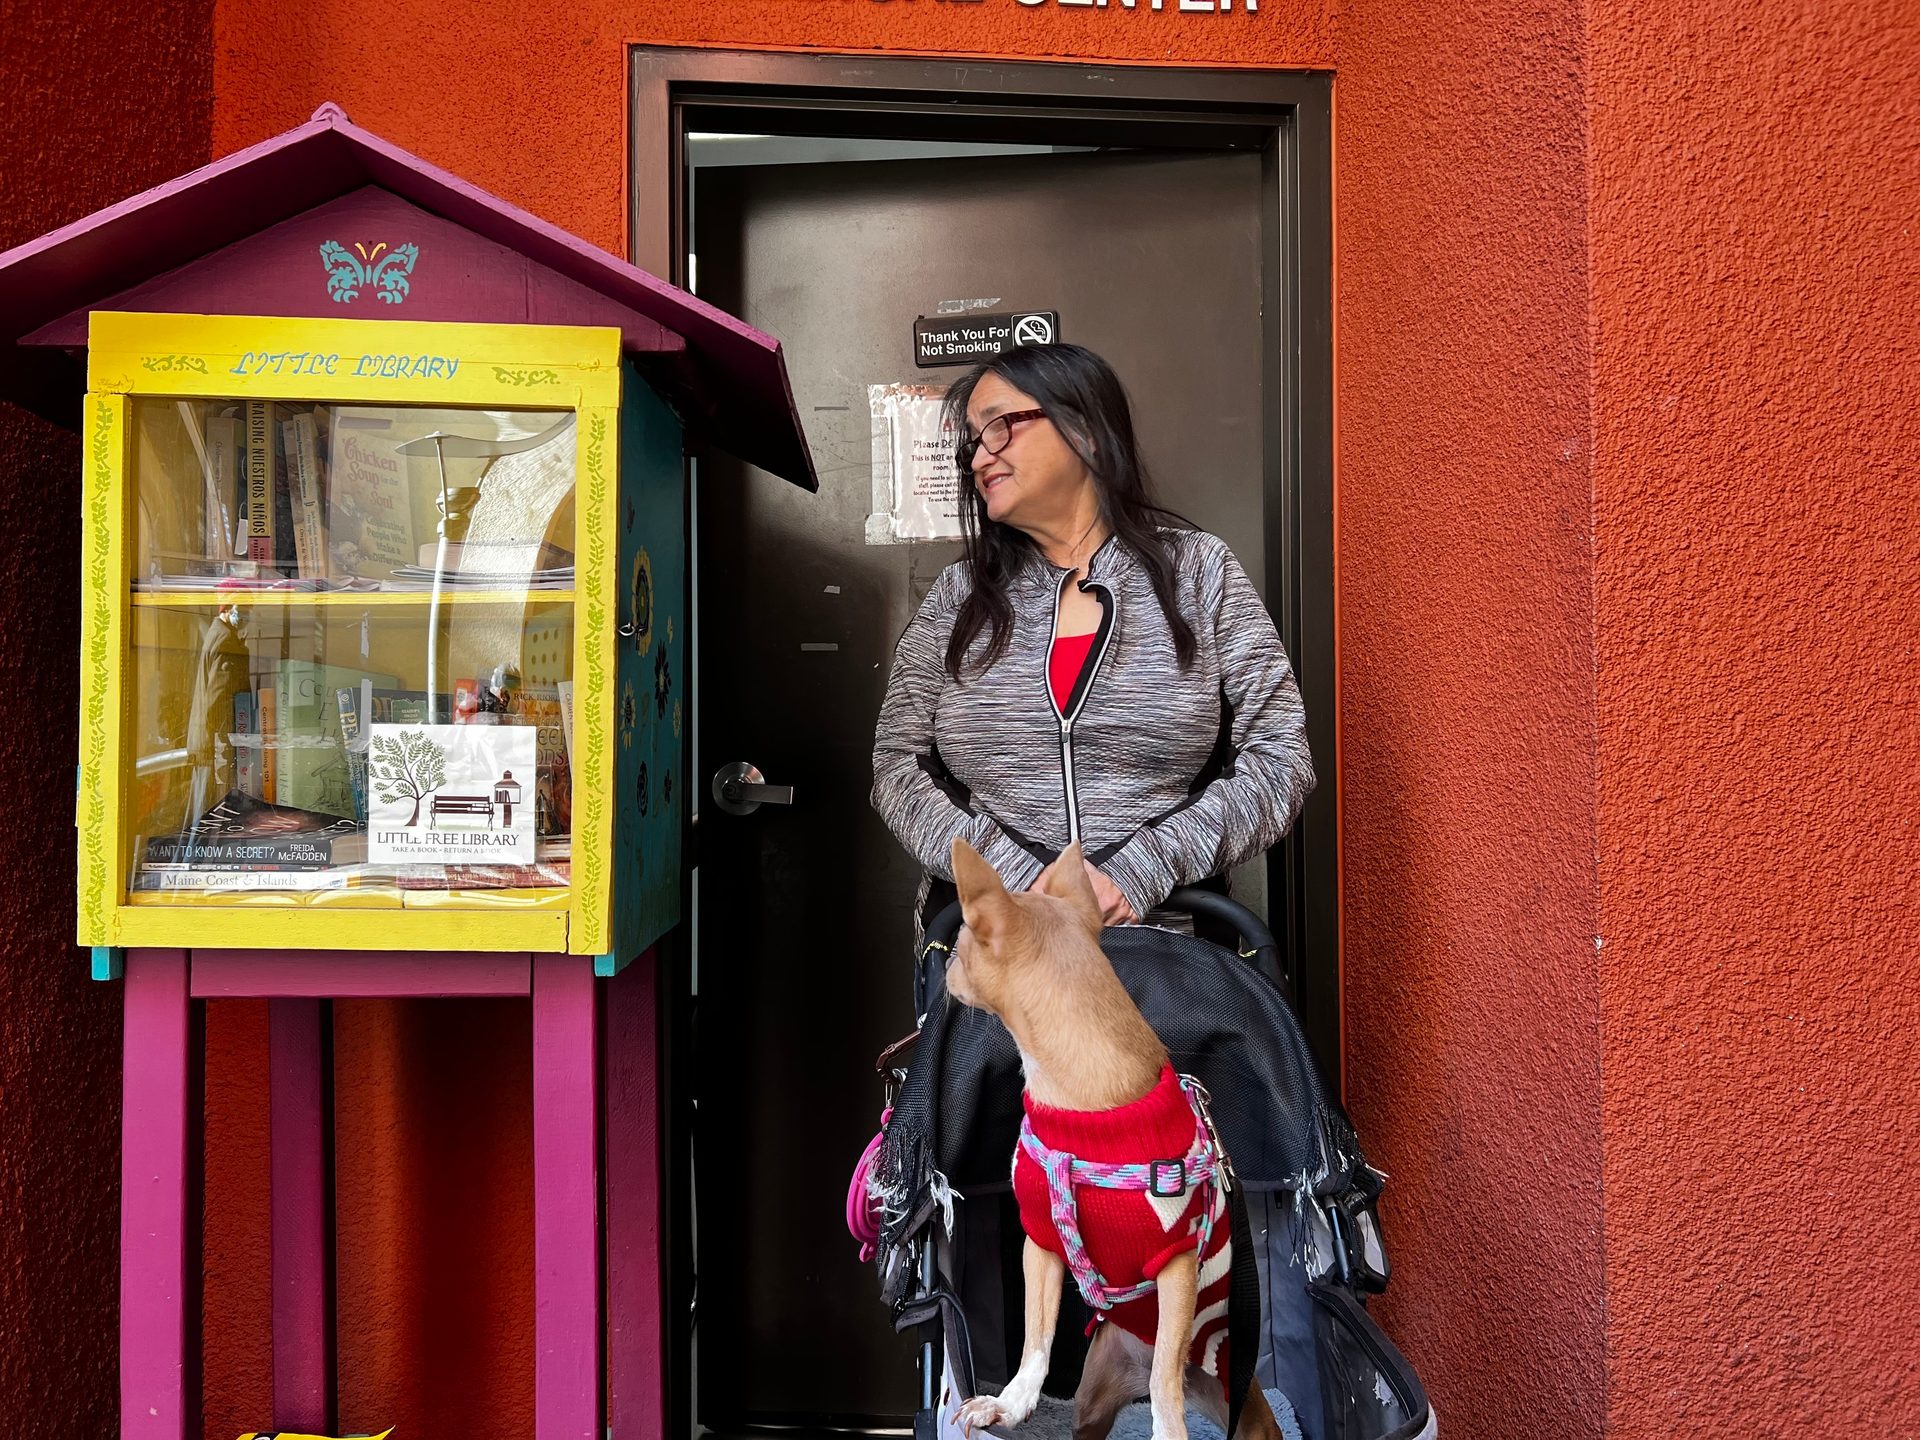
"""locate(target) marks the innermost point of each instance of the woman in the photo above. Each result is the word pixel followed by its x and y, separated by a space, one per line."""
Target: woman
pixel 1093 670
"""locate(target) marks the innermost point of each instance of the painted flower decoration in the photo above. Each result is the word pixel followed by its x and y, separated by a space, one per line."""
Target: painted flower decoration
pixel 641 602
pixel 662 682
pixel 629 715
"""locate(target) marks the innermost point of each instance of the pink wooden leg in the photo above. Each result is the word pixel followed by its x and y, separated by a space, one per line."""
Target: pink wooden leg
pixel 158 1295
pixel 636 1281
pixel 566 1249
pixel 302 1280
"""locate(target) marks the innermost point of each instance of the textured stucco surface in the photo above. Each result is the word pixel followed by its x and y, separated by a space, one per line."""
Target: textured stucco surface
pixel 556 82
pixel 1757 499
pixel 1466 710
pixel 434 1215
pixel 99 101
pixel 236 1300
pixel 433 1211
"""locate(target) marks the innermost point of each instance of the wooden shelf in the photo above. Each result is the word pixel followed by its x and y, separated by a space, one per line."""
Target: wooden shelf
pixel 521 901
pixel 542 928
pixel 343 599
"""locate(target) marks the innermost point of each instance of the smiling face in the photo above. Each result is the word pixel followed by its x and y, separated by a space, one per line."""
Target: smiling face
pixel 1037 480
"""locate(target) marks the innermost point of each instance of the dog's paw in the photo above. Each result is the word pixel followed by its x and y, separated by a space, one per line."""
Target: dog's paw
pixel 982 1412
pixel 1003 1411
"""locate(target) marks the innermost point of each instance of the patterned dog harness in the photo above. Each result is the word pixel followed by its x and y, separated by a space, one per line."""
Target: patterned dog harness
pixel 1200 1167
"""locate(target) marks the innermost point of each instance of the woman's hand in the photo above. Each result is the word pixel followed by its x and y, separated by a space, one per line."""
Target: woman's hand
pixel 1114 909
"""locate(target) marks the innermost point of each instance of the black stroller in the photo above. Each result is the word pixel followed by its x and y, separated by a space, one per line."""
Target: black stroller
pixel 948 1243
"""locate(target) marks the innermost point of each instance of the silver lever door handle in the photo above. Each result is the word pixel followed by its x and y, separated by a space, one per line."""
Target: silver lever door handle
pixel 740 789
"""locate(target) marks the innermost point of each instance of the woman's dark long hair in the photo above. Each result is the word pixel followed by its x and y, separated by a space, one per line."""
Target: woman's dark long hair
pixel 1088 405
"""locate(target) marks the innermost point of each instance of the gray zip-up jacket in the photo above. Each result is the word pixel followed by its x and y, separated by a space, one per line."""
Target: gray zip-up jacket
pixel 1165 776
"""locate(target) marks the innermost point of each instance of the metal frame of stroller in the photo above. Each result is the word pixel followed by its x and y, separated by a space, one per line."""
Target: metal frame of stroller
pixel 1359 1265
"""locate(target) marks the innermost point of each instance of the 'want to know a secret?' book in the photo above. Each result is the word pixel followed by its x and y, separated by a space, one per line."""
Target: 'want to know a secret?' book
pixel 244 833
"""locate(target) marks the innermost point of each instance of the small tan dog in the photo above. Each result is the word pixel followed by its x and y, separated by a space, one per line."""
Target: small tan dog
pixel 1034 960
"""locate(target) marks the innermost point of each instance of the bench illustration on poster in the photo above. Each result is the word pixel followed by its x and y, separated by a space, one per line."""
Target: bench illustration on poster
pixel 458 805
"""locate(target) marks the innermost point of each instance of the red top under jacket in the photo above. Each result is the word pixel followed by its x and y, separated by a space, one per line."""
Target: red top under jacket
pixel 1065 662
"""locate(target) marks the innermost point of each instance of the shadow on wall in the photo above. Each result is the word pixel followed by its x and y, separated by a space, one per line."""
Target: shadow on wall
pixel 100 101
pixel 59 1030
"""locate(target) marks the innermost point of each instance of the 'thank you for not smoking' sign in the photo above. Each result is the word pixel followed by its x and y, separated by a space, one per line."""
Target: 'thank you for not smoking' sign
pixel 969 339
pixel 451 794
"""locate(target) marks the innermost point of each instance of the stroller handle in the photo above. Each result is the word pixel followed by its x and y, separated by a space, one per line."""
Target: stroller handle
pixel 1256 940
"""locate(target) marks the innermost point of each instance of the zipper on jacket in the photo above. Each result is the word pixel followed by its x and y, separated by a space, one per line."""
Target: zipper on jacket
pixel 1083 685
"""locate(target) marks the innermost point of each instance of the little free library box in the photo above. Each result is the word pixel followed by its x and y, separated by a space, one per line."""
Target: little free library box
pixel 412 520
pixel 383 692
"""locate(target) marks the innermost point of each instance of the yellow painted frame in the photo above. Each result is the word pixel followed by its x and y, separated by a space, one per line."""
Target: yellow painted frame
pixel 343 361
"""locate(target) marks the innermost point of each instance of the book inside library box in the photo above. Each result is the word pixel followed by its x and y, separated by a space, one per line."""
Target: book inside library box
pixel 351 645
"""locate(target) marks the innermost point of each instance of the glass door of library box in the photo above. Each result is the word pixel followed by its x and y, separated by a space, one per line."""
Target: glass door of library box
pixel 349 634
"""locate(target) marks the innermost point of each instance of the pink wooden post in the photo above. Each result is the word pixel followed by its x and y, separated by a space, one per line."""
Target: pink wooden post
pixel 159 1273
pixel 302 1278
pixel 566 1232
pixel 636 1280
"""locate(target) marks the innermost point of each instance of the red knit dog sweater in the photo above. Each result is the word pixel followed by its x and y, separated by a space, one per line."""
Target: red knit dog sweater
pixel 1130 1235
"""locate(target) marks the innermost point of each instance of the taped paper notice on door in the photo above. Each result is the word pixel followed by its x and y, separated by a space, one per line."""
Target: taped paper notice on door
pixel 916 488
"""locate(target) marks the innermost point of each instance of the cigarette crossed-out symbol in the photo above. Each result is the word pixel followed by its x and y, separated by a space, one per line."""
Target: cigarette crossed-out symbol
pixel 1032 330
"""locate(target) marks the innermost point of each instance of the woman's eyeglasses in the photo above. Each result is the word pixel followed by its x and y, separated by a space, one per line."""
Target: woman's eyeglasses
pixel 993 437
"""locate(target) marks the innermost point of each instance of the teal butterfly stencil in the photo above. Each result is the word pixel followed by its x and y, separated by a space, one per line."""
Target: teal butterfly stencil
pixel 389 274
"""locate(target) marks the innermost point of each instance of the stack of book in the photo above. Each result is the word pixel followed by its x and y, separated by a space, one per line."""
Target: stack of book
pixel 553 866
pixel 271 580
pixel 246 844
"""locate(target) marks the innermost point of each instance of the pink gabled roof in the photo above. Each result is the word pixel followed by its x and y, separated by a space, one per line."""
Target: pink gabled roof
pixel 730 383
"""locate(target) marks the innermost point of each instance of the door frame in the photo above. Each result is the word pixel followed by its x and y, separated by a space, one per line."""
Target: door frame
pixel 1286 116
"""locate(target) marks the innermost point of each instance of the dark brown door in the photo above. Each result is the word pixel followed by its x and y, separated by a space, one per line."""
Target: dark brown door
pixel 804 936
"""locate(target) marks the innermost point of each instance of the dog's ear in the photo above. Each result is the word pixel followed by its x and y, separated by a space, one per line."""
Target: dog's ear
pixel 1066 879
pixel 982 896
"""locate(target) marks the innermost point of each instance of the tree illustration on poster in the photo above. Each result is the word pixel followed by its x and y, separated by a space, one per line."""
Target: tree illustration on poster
pixel 410 767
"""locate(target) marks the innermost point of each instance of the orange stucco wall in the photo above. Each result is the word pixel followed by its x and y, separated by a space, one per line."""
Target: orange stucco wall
pixel 552 84
pixel 1466 696
pixel 236 1288
pixel 1757 508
